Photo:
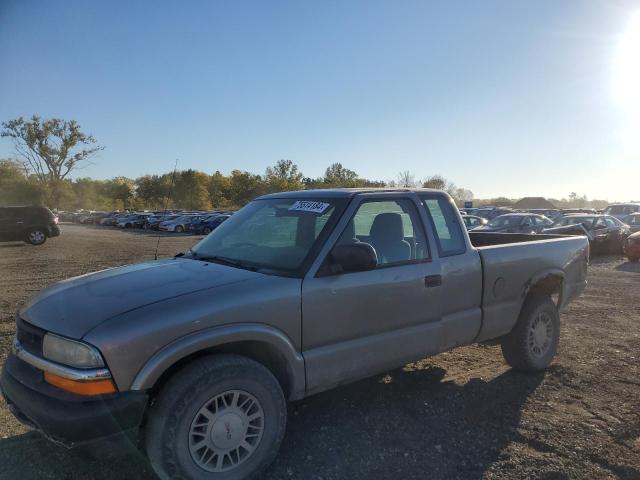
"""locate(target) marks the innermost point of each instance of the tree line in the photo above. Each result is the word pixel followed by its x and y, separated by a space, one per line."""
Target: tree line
pixel 187 189
pixel 49 151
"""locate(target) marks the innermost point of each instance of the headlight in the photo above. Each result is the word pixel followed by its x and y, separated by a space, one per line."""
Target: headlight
pixel 70 352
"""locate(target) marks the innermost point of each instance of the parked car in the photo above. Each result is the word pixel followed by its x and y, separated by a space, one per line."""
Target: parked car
pixel 632 247
pixel 606 233
pixel 135 220
pixel 550 213
pixel 154 221
pixel 111 220
pixel 516 223
pixel 68 216
pixel 92 218
pixel 492 212
pixel 622 210
pixel 472 221
pixel 209 224
pixel 28 224
pixel 633 221
pixel 572 211
pixel 179 224
pixel 200 352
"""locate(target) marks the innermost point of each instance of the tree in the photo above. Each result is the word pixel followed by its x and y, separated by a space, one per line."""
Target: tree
pixel 219 190
pixel 462 195
pixel 437 182
pixel 338 176
pixel 16 188
pixel 52 148
pixel 120 190
pixel 283 176
pixel 191 190
pixel 406 180
pixel 152 191
pixel 244 187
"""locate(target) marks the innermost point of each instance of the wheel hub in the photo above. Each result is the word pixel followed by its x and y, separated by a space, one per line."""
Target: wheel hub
pixel 226 431
pixel 540 334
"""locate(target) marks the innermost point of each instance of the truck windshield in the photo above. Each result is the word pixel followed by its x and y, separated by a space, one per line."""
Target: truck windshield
pixel 270 234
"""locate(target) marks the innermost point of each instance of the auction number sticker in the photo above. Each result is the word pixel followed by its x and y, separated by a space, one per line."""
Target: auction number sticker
pixel 309 206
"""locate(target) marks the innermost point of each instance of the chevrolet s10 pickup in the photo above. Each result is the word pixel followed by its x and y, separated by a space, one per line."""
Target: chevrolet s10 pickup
pixel 193 358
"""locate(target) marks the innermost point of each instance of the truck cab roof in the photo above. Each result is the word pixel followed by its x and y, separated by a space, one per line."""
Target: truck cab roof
pixel 343 192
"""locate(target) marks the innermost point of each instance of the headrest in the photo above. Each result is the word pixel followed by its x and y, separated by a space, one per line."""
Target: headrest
pixel 387 227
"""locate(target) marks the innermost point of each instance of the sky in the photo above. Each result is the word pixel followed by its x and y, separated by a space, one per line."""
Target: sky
pixel 504 98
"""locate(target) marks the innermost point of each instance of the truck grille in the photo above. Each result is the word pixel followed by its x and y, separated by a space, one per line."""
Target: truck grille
pixel 30 337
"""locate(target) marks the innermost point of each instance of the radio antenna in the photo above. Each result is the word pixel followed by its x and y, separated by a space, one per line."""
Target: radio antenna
pixel 166 202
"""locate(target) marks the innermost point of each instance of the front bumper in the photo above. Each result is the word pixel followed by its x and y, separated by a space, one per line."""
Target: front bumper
pixel 66 418
pixel 54 231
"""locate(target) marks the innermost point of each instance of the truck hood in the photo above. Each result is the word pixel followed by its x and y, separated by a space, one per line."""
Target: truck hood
pixel 75 306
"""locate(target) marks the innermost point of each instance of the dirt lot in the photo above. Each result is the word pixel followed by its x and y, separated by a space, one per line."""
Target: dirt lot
pixel 462 414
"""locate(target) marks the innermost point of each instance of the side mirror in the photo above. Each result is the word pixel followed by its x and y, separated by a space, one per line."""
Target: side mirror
pixel 355 257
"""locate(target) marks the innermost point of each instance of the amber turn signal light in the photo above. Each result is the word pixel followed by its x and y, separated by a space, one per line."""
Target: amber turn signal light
pixel 93 387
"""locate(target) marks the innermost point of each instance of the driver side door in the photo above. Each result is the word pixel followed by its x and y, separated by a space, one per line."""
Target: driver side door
pixel 361 323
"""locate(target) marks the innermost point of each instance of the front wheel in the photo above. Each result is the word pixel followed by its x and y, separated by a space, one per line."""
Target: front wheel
pixel 206 230
pixel 533 342
pixel 221 417
pixel 179 229
pixel 36 236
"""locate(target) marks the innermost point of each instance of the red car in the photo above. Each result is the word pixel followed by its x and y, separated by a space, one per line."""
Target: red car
pixel 632 247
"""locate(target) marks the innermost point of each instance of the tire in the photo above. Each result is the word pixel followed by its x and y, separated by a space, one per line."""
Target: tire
pixel 533 342
pixel 36 236
pixel 179 229
pixel 176 421
pixel 206 231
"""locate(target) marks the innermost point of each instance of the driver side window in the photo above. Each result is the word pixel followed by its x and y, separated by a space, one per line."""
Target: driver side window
pixel 392 227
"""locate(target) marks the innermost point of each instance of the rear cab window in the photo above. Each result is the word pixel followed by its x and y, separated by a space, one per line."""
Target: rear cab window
pixel 445 223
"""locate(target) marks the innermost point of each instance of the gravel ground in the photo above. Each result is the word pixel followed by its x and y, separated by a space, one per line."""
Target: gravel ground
pixel 461 414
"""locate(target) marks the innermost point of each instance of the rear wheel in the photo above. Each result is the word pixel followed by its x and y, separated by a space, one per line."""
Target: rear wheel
pixel 221 417
pixel 36 236
pixel 206 230
pixel 533 342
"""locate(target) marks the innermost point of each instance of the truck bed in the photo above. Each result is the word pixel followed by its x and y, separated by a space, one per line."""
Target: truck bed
pixel 512 263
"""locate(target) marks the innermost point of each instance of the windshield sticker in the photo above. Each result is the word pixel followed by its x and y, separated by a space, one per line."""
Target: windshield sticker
pixel 309 206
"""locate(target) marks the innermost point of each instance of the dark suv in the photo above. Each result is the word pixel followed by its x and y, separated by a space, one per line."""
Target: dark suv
pixel 30 224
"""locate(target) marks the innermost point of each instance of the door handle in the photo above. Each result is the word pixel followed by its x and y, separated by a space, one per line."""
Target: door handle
pixel 432 281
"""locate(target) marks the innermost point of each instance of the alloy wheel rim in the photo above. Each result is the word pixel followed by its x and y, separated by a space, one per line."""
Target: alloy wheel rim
pixel 226 431
pixel 540 334
pixel 36 237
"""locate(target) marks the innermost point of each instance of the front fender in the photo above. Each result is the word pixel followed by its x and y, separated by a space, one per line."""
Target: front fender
pixel 223 335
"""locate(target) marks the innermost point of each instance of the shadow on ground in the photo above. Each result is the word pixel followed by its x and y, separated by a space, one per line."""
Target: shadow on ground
pixel 632 267
pixel 410 423
pixel 12 244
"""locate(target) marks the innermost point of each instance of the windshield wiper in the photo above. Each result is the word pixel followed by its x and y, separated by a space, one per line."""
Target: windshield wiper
pixel 226 261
